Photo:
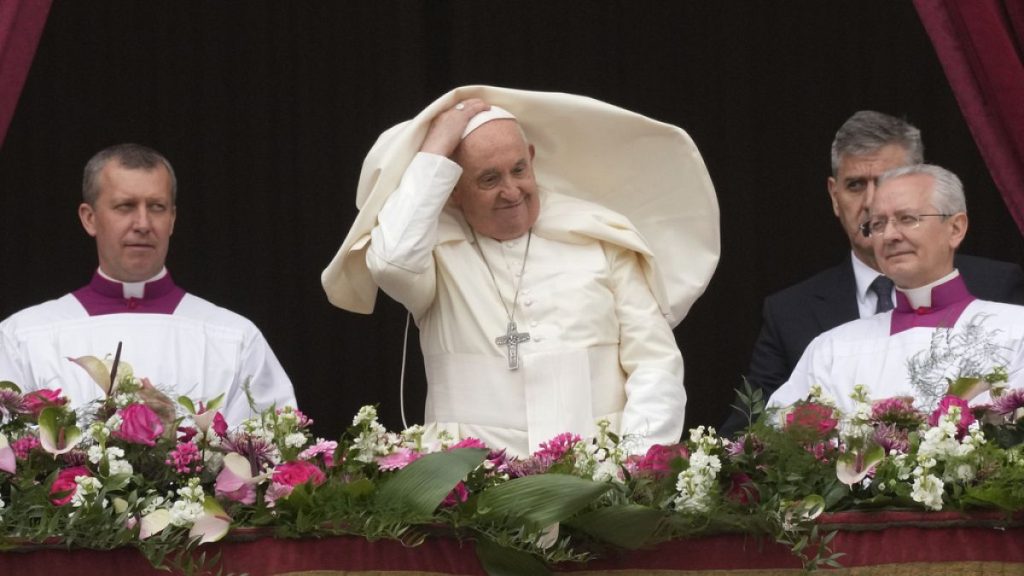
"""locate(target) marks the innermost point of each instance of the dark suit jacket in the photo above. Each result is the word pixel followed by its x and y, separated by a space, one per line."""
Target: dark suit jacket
pixel 796 315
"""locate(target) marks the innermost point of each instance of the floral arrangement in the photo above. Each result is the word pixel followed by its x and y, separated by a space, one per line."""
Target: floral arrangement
pixel 138 469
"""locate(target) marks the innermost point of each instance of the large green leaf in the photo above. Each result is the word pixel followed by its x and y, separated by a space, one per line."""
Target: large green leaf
pixel 420 487
pixel 539 501
pixel 629 526
pixel 500 561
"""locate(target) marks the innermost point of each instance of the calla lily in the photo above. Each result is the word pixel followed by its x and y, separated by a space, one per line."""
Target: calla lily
pixel 97 369
pixel 854 465
pixel 213 524
pixel 154 523
pixel 236 481
pixel 8 463
pixel 203 417
pixel 57 431
pixel 968 388
pixel 120 505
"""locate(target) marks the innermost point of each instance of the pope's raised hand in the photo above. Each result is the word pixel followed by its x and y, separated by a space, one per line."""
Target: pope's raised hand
pixel 446 129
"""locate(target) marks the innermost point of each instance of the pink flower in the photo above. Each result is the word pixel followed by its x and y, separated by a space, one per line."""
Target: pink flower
pixel 398 459
pixel 64 487
pixel 557 447
pixel 220 425
pixel 458 495
pixel 24 446
pixel 891 437
pixel 470 443
pixel 658 459
pixel 234 487
pixel 897 410
pixel 966 418
pixel 185 459
pixel 1009 403
pixel 288 475
pixel 140 425
pixel 322 447
pixel 36 401
pixel 298 472
pixel 815 418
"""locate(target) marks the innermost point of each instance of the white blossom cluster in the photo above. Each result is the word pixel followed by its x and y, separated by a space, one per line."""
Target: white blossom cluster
pixel 373 440
pixel 189 507
pixel 696 484
pixel 939 445
pixel 88 487
pixel 600 459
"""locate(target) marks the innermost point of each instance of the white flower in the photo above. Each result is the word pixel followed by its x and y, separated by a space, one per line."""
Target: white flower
pixel 295 440
pixel 153 503
pixel 120 467
pixel 366 414
pixel 123 399
pixel 95 454
pixel 928 491
pixel 185 513
pixel 193 492
pixel 87 486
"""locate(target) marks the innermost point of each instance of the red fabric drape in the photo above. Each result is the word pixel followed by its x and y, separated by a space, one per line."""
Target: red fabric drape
pixel 21 25
pixel 981 46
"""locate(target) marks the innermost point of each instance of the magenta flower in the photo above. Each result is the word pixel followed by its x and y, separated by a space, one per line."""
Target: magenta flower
pixel 11 404
pixel 24 446
pixel 140 425
pixel 236 481
pixel 64 487
pixel 557 447
pixel 220 425
pixel 185 459
pixel 1009 402
pixel 892 437
pixel 298 472
pixel 37 400
pixel 742 489
pixel 458 495
pixel 398 459
pixel 470 443
pixel 897 410
pixel 966 418
pixel 658 460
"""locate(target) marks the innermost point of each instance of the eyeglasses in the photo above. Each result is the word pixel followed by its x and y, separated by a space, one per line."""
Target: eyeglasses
pixel 903 222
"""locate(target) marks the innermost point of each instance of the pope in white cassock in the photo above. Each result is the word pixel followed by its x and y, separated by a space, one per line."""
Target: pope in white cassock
pixel 545 245
pixel 182 343
pixel 917 219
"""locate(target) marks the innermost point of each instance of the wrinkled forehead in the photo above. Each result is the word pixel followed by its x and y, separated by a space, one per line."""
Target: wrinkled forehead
pixel 903 194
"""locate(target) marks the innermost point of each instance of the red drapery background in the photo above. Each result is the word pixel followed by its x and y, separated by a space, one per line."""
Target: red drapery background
pixel 981 47
pixel 21 25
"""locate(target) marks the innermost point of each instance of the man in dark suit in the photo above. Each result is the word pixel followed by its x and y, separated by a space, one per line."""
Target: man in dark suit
pixel 866 145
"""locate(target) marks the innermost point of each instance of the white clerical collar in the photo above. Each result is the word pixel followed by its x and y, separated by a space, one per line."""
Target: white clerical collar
pixel 864 275
pixel 134 289
pixel 922 296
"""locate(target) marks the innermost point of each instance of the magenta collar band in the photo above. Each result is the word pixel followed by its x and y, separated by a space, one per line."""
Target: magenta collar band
pixel 949 301
pixel 102 296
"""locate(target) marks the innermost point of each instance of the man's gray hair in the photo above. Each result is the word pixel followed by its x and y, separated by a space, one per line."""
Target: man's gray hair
pixel 947 193
pixel 130 156
pixel 867 132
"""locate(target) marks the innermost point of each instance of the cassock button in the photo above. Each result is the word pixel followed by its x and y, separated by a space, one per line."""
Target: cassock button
pixel 133 303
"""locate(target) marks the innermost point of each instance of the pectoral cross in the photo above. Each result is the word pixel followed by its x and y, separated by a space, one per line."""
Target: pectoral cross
pixel 511 341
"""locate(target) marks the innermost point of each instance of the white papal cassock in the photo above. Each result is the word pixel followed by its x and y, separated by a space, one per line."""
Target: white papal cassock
pixel 184 344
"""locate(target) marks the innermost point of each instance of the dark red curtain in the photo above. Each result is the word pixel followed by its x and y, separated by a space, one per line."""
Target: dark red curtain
pixel 21 25
pixel 981 47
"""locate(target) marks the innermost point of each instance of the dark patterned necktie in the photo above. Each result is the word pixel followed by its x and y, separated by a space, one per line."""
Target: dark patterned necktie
pixel 882 287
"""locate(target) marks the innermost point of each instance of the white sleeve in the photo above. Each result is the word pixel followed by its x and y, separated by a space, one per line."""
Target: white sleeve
pixel 812 365
pixel 11 365
pixel 268 382
pixel 655 397
pixel 400 256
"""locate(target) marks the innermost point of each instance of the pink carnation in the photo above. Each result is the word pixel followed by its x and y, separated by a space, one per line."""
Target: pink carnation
pixel 323 448
pixel 37 400
pixel 24 446
pixel 966 418
pixel 64 487
pixel 140 425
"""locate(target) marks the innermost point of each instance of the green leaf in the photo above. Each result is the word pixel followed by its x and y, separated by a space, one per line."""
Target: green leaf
pixel 187 403
pixel 539 501
pixel 968 388
pixel 630 526
pixel 215 403
pixel 500 561
pixel 8 385
pixel 420 487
